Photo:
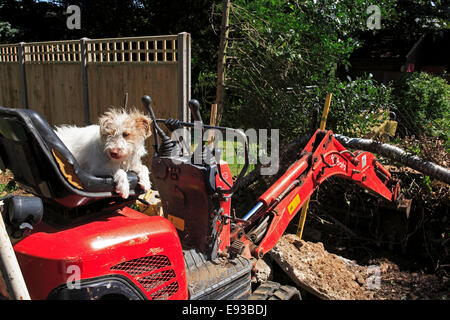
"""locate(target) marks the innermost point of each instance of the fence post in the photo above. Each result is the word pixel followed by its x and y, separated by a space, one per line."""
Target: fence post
pixel 84 61
pixel 23 78
pixel 184 78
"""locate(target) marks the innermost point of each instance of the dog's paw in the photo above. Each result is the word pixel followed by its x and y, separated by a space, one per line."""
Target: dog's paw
pixel 144 182
pixel 122 184
pixel 144 178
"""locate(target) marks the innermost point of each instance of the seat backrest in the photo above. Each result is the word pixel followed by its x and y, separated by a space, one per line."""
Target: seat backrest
pixel 42 165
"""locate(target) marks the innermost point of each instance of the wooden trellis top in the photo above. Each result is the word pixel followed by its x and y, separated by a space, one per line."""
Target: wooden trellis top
pixel 8 53
pixel 155 49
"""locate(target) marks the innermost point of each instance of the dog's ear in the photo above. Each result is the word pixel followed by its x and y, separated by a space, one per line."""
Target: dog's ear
pixel 105 123
pixel 143 125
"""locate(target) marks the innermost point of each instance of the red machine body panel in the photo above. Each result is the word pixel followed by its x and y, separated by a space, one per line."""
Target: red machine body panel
pixel 105 245
pixel 223 228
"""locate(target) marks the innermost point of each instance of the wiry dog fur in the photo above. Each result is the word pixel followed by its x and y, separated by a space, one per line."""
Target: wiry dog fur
pixel 112 148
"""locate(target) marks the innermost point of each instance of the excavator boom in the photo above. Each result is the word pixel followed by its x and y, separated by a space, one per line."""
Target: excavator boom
pixel 322 158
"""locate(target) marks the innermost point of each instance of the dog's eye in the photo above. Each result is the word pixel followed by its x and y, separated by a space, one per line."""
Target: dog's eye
pixel 125 134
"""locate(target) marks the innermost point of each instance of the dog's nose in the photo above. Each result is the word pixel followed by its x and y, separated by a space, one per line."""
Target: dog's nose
pixel 114 153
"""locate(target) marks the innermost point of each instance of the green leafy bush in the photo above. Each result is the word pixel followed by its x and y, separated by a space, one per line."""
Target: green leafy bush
pixel 358 106
pixel 423 105
pixel 284 62
pixel 7 32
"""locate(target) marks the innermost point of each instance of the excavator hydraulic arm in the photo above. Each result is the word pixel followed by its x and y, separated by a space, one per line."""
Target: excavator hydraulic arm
pixel 322 158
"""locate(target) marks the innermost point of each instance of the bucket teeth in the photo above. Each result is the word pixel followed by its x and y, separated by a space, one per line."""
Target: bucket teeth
pixel 403 205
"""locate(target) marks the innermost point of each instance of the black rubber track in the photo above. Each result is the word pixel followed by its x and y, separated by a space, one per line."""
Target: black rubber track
pixel 270 290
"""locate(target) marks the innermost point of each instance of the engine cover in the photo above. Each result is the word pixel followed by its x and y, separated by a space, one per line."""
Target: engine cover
pixel 145 251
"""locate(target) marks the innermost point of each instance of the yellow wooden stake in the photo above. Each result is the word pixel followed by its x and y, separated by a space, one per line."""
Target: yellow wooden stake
pixel 326 108
pixel 323 122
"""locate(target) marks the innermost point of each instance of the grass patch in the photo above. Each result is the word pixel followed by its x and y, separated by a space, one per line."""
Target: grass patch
pixel 7 188
pixel 233 154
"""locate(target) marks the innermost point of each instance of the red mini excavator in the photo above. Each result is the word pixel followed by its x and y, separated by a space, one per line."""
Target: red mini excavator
pixel 81 240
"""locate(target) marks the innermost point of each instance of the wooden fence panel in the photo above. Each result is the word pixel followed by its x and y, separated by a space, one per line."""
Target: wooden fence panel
pixel 54 91
pixel 10 85
pixel 108 84
pixel 75 81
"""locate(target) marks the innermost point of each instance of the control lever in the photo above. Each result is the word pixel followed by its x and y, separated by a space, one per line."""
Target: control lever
pixel 246 156
pixel 194 106
pixel 167 145
pixel 207 155
pixel 147 103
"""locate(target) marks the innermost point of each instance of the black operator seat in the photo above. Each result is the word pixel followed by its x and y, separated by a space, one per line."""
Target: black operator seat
pixel 42 165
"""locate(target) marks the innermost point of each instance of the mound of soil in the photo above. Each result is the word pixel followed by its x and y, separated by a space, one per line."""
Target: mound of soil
pixel 315 270
pixel 330 276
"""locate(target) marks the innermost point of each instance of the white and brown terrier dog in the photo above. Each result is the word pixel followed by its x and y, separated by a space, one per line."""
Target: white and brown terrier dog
pixel 111 148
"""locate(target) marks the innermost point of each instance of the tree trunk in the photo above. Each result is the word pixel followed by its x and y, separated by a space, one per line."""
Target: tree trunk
pixel 221 59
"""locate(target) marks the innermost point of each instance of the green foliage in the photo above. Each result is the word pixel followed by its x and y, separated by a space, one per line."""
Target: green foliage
pixel 427 182
pixel 7 32
pixel 204 90
pixel 284 56
pixel 411 18
pixel 9 187
pixel 285 63
pixel 134 206
pixel 358 106
pixel 423 105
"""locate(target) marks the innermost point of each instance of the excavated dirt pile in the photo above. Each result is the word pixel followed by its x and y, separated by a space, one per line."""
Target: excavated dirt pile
pixel 321 273
pixel 333 277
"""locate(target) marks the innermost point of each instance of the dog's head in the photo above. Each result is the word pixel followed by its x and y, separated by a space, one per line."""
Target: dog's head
pixel 123 132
